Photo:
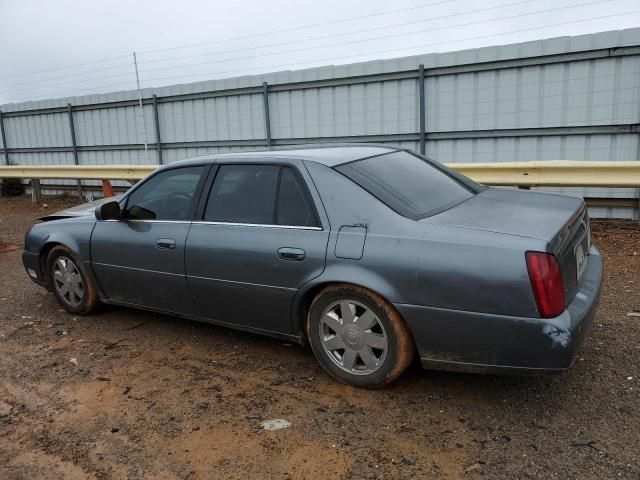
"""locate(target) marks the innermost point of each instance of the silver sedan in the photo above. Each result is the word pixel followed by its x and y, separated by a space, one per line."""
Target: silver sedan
pixel 370 254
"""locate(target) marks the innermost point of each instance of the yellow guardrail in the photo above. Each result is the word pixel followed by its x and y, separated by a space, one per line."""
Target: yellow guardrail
pixel 552 173
pixel 77 172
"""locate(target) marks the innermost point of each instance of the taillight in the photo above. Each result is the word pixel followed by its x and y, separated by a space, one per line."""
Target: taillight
pixel 546 282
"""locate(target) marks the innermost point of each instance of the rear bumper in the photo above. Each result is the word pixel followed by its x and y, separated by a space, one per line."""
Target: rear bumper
pixel 480 342
pixel 31 262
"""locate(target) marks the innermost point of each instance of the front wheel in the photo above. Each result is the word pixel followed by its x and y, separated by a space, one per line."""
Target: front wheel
pixel 70 282
pixel 358 337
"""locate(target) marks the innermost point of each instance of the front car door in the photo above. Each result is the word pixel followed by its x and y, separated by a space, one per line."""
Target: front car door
pixel 257 240
pixel 140 259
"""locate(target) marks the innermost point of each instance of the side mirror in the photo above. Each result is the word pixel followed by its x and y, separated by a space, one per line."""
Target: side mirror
pixel 109 211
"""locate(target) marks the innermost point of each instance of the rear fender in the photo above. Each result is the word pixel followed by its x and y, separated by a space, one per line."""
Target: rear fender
pixel 353 273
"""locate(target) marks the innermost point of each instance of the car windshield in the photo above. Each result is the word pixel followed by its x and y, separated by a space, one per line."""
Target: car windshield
pixel 412 186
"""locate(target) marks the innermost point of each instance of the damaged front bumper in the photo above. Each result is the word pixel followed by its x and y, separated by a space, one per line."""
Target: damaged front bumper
pixel 486 343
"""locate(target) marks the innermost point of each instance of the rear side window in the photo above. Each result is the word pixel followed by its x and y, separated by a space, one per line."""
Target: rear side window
pixel 259 194
pixel 243 194
pixel 165 196
pixel 406 183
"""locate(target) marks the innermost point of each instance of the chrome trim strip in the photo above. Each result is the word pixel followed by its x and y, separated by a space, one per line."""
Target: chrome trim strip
pixel 234 224
pixel 136 220
pixel 240 284
pixel 108 265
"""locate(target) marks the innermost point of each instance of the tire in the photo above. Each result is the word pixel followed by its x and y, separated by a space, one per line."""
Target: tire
pixel 70 282
pixel 358 337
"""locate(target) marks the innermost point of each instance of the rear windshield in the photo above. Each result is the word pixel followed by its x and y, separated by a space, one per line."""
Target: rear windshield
pixel 408 184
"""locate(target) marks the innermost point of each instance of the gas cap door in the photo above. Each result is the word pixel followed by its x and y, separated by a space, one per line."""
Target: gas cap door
pixel 350 242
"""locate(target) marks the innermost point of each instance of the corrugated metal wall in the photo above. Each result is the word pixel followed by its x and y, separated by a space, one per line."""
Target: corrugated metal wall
pixel 573 98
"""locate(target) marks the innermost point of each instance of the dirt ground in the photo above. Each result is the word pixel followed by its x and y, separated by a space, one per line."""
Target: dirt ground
pixel 129 394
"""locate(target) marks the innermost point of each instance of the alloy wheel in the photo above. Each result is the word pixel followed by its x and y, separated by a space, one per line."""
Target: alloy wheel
pixel 353 337
pixel 68 281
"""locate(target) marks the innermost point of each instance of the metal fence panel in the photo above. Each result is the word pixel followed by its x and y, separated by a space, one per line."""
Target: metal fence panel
pixel 48 130
pixel 114 126
pixel 365 109
pixel 223 118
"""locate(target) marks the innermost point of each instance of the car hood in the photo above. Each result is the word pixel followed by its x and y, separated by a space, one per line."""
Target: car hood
pixel 514 212
pixel 83 210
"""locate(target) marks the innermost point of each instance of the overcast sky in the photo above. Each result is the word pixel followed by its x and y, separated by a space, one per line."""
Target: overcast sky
pixel 45 45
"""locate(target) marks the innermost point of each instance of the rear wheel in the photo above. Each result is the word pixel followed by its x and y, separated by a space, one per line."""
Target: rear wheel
pixel 70 282
pixel 358 337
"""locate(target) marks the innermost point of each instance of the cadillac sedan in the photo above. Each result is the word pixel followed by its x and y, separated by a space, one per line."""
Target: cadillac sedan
pixel 368 253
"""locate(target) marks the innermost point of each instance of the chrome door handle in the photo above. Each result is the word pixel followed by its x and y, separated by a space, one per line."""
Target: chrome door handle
pixel 295 254
pixel 166 244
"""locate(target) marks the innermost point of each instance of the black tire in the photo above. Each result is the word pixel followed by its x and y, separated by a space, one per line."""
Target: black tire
pixel 78 304
pixel 389 362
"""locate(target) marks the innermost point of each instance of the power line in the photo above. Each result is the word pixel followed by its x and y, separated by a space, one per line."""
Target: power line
pixel 394 35
pixel 86 91
pixel 77 74
pixel 72 82
pixel 302 27
pixel 271 67
pixel 63 67
pixel 353 32
pixel 36 82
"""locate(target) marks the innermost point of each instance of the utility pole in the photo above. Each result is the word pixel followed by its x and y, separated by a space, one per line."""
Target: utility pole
pixel 144 123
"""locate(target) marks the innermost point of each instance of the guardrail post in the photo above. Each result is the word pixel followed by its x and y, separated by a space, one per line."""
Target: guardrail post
pixel 638 159
pixel 74 144
pixel 156 124
pixel 422 109
pixel 36 191
pixel 267 122
pixel 5 147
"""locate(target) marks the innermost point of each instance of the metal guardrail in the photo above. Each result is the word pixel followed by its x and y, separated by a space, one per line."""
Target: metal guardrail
pixel 551 173
pixel 77 172
pixel 554 173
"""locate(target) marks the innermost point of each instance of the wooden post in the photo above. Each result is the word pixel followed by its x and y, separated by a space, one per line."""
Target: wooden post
pixel 36 192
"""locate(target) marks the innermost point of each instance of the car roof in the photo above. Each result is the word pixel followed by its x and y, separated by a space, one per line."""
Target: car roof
pixel 326 154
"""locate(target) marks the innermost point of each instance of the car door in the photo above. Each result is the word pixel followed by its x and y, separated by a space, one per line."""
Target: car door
pixel 139 259
pixel 257 241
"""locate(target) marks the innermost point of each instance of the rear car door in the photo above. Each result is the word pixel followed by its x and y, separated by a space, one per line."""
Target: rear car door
pixel 139 259
pixel 257 240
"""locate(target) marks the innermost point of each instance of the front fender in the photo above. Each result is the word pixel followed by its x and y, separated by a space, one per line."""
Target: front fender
pixel 73 233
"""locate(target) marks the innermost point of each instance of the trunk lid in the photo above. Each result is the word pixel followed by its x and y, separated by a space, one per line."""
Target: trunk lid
pixel 562 221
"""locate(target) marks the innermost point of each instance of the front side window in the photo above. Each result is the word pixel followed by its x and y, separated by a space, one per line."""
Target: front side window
pixel 408 184
pixel 166 196
pixel 259 194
